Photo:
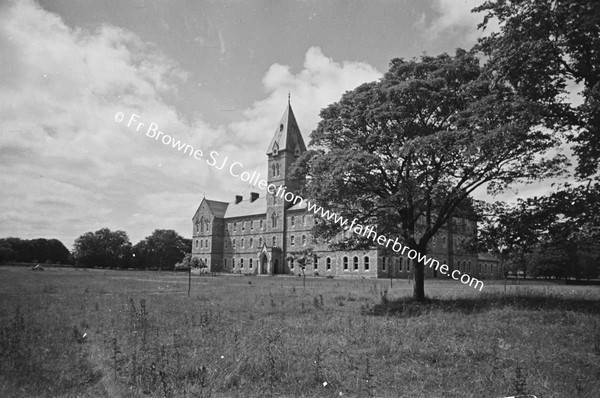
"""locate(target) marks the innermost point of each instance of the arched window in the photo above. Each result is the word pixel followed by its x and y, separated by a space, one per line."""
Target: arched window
pixel 207 245
pixel 260 242
pixel 196 243
pixel 243 225
pixel 274 220
pixel 273 167
pixel 234 227
pixel 292 221
pixel 241 263
pixel 250 244
pixel 201 224
pixel 232 263
pixel 303 240
pixel 315 261
pixel 345 263
pixel 366 260
pixel 233 243
pixel 303 220
pixel 274 241
pixel 277 168
pixel 355 263
pixel 201 243
pixel 292 240
pixel 261 224
pixel 242 243
pixel 400 264
pixel 328 263
pixel 291 263
pixel 250 261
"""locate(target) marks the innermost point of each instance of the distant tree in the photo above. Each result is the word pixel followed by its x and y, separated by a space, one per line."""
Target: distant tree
pixel 527 233
pixel 6 251
pixel 28 250
pixel 103 248
pixel 404 152
pixel 162 249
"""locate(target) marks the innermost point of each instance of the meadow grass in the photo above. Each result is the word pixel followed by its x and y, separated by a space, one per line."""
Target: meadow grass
pixel 88 333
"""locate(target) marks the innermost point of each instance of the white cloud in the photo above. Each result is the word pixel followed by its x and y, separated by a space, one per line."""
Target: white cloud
pixel 321 82
pixel 66 167
pixel 455 18
pixel 65 161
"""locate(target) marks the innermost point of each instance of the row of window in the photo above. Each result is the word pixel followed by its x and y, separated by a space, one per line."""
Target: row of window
pixel 385 261
pixel 250 243
pixel 202 243
pixel 202 225
pixel 242 225
pixel 241 263
pixel 233 227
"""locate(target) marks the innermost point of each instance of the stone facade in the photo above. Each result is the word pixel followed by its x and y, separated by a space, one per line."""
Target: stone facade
pixel 264 234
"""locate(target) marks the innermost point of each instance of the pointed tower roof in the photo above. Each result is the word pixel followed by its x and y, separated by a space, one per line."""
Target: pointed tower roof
pixel 287 135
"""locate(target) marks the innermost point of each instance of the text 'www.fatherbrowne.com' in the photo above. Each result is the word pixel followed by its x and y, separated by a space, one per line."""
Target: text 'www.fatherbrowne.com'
pixel 236 169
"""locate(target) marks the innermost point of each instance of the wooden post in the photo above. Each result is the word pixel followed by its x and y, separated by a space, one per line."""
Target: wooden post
pixel 189 279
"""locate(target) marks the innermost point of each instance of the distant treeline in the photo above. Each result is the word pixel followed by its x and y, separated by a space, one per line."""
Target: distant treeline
pixel 101 249
pixel 34 250
pixel 105 248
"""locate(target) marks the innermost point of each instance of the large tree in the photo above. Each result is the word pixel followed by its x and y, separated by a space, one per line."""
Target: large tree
pixel 543 48
pixel 162 249
pixel 103 248
pixel 404 152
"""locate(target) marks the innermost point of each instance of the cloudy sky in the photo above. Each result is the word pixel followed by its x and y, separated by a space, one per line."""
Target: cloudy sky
pixel 215 74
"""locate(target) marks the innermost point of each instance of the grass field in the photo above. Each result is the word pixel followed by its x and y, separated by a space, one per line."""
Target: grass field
pixel 88 333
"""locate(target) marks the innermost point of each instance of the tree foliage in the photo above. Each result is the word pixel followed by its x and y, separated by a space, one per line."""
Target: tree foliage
pixel 103 248
pixel 404 152
pixel 38 250
pixel 162 249
pixel 542 48
pixel 554 235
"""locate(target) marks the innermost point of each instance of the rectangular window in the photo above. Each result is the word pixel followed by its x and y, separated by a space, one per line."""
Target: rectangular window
pixel 366 260
pixel 346 263
pixel 328 263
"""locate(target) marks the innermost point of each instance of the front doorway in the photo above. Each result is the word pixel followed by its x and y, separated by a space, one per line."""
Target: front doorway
pixel 276 267
pixel 262 264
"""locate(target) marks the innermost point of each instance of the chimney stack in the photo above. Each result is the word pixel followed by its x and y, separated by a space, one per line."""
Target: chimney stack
pixel 238 199
pixel 253 196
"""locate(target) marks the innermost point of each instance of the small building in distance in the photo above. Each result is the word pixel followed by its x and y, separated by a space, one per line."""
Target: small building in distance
pixel 263 234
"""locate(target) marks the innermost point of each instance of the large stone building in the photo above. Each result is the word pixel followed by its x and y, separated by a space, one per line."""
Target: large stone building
pixel 264 234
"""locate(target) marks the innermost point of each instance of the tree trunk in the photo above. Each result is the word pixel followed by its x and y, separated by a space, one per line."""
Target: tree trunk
pixel 419 289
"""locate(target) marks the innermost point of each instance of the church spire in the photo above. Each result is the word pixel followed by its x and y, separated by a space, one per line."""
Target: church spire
pixel 287 135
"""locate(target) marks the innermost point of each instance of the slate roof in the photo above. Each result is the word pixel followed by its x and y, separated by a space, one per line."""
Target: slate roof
pixel 217 208
pixel 247 208
pixel 287 135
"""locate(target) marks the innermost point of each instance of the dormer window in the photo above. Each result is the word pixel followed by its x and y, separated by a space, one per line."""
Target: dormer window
pixel 275 149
